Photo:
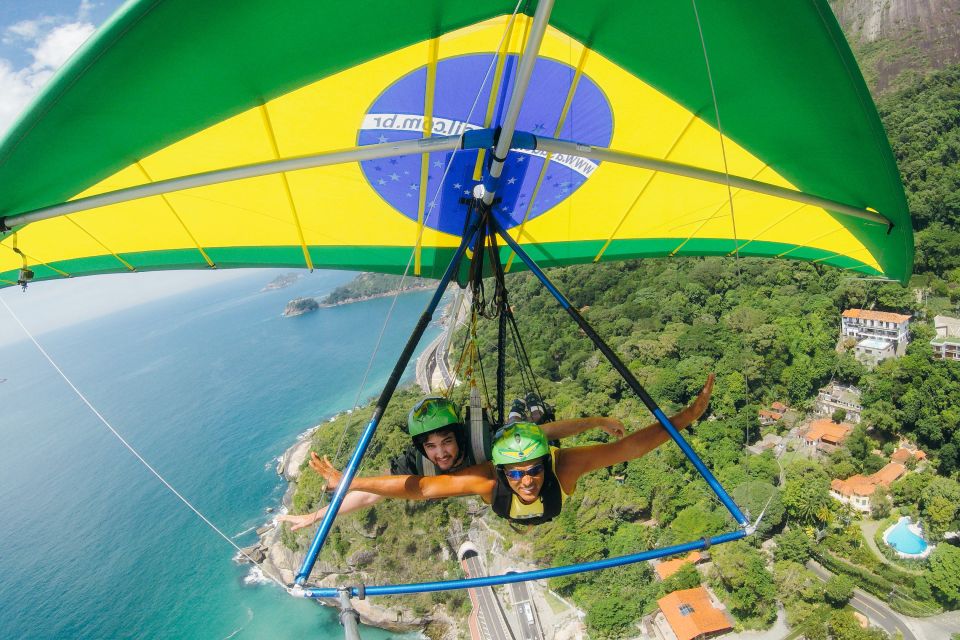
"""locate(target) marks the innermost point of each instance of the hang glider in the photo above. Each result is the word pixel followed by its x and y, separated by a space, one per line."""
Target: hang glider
pixel 320 134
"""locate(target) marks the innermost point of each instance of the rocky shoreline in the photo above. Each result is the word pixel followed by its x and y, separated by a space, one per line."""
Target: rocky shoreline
pixel 277 560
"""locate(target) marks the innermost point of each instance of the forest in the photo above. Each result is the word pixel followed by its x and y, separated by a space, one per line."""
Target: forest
pixel 769 330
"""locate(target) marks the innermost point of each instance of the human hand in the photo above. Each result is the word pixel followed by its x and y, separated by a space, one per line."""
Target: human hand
pixel 325 469
pixel 613 427
pixel 699 405
pixel 301 521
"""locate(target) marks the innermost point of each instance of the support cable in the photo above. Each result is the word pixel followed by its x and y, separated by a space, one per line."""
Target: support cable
pixel 723 146
pixel 132 450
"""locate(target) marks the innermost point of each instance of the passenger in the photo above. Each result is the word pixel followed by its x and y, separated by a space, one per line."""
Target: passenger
pixel 441 444
pixel 527 480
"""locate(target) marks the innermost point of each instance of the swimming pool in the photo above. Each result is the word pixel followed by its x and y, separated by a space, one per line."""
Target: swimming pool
pixel 906 539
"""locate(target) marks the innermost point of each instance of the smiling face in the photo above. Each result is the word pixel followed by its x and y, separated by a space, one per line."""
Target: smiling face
pixel 529 485
pixel 442 449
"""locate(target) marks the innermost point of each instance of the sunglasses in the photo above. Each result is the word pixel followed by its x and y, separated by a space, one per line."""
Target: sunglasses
pixel 517 474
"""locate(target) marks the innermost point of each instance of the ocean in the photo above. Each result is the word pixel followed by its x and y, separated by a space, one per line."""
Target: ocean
pixel 210 386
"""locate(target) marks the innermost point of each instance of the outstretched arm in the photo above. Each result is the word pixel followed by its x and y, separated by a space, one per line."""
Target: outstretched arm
pixel 477 480
pixel 560 429
pixel 353 501
pixel 575 462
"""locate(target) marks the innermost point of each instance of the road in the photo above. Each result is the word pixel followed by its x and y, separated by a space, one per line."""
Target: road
pixel 433 360
pixel 878 612
pixel 526 612
pixel 490 620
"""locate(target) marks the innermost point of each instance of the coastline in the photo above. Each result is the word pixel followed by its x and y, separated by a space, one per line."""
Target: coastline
pixel 385 294
pixel 274 558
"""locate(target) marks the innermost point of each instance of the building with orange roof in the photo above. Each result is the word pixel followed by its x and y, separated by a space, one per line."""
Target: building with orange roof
pixel 873 329
pixel 826 435
pixel 903 454
pixel 779 407
pixel 691 614
pixel 856 490
pixel 767 417
pixel 667 568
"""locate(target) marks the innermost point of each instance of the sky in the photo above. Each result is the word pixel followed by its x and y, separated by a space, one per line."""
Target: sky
pixel 36 38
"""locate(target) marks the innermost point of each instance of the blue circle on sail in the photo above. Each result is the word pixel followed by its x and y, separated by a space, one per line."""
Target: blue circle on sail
pixel 461 101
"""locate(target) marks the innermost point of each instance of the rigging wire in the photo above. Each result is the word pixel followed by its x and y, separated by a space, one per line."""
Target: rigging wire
pixel 723 146
pixel 132 450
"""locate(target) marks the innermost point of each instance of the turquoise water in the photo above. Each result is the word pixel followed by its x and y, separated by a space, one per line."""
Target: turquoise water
pixel 904 540
pixel 210 386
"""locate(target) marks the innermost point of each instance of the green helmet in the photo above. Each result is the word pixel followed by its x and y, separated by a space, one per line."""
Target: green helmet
pixel 519 442
pixel 430 414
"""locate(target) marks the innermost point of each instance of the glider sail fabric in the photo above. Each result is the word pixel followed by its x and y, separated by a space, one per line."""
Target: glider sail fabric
pixel 171 89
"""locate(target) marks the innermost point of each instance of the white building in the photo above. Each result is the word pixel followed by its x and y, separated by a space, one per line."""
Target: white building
pixel 946 345
pixel 837 396
pixel 863 324
pixel 873 351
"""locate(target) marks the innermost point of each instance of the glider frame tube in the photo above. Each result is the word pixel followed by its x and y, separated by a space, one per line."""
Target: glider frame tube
pixel 354 464
pixel 539 574
pixel 356 154
pixel 553 145
pixel 629 378
pixel 528 59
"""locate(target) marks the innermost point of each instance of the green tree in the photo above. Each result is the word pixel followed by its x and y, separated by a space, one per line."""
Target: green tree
pixel 806 494
pixel 741 570
pixel 843 626
pixel 858 443
pixel 938 505
pixel 793 546
pixel 838 590
pixel 839 415
pixel 758 497
pixel 945 574
pixel 609 618
pixel 880 502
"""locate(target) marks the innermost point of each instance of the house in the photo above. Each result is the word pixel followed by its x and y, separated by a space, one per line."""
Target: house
pixel 902 455
pixel 826 435
pixel 779 407
pixel 690 614
pixel 863 324
pixel 667 568
pixel 837 396
pixel 856 490
pixel 873 351
pixel 946 344
pixel 768 417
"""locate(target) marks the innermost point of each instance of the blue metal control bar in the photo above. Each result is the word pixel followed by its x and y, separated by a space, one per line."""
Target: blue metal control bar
pixel 540 574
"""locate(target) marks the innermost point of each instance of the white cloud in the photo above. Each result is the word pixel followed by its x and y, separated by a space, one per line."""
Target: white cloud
pixel 59 44
pixel 50 41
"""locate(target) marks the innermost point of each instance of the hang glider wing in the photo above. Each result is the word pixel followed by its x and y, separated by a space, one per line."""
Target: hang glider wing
pixel 324 134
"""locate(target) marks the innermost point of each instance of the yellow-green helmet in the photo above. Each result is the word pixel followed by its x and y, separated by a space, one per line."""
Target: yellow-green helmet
pixel 430 414
pixel 519 442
